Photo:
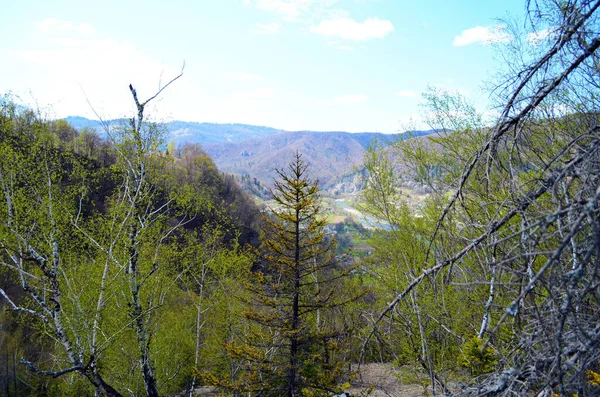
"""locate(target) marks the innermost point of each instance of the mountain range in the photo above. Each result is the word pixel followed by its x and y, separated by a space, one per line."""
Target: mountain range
pixel 192 132
pixel 257 151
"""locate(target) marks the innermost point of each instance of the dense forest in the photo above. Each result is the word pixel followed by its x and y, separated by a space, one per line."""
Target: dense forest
pixel 133 267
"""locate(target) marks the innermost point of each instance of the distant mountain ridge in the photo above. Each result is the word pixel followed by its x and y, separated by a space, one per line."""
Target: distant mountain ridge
pixel 257 151
pixel 330 155
pixel 193 132
pixel 203 133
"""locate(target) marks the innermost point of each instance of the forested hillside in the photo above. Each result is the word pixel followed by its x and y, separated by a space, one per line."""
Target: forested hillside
pixel 256 151
pixel 182 132
pixel 500 273
pixel 131 266
pixel 331 155
pixel 111 249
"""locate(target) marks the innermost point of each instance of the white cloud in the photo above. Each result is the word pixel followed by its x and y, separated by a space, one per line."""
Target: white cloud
pixel 242 76
pixel 349 29
pixel 103 68
pixel 85 29
pixel 406 94
pixel 93 59
pixel 345 48
pixel 266 28
pixel 258 94
pixel 535 38
pixel 482 34
pixel 53 26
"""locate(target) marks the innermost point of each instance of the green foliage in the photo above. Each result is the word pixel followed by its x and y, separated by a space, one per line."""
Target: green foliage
pixel 475 358
pixel 504 245
pixel 593 377
pixel 105 269
pixel 292 342
pixel 430 323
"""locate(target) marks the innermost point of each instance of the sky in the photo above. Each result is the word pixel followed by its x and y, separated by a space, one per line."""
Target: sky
pixel 326 65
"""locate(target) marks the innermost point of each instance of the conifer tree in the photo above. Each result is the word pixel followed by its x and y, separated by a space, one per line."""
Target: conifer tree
pixel 289 297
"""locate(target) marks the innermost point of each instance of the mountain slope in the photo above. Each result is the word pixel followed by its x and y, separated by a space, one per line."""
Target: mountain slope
pixel 258 151
pixel 330 155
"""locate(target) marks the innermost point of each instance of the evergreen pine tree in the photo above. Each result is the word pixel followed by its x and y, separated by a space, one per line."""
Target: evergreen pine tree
pixel 292 350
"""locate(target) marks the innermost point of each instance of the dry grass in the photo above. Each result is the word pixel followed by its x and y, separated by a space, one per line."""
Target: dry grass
pixel 375 380
pixel 381 380
pixel 337 219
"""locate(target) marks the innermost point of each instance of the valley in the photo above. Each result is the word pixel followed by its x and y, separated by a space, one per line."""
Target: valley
pixel 316 249
pixel 255 152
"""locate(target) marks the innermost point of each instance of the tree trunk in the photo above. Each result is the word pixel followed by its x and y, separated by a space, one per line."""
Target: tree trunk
pixel 138 318
pixel 295 309
pixel 101 386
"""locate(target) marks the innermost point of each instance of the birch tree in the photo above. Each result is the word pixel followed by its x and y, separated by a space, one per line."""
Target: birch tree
pixel 519 204
pixel 47 242
pixel 37 241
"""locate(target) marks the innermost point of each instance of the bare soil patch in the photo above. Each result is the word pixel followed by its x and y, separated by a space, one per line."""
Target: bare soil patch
pixel 375 380
pixel 383 381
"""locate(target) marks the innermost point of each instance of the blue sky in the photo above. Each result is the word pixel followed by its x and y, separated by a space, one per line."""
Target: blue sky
pixel 352 65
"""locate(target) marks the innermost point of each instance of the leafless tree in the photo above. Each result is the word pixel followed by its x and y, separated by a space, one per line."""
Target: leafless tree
pixel 536 180
pixel 35 246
